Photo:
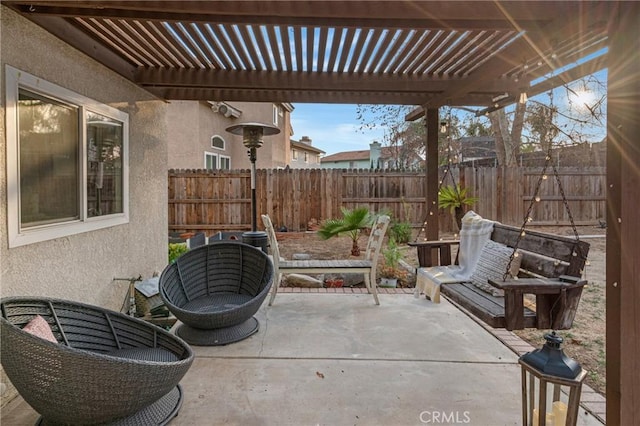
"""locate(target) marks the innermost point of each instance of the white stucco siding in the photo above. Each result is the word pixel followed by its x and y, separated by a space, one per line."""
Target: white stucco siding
pixel 82 266
pixel 359 164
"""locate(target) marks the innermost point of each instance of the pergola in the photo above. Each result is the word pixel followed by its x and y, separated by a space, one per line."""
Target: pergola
pixel 423 53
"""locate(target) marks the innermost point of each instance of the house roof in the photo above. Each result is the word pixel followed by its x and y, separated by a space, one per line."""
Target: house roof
pixel 306 147
pixel 429 53
pixel 361 155
pixel 347 156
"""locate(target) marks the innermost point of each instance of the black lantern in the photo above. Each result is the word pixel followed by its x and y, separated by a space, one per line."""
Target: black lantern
pixel 252 134
pixel 551 385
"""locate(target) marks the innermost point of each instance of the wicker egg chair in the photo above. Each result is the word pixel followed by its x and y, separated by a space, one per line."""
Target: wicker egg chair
pixel 215 290
pixel 106 367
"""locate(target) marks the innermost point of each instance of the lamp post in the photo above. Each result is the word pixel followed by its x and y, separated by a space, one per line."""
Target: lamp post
pixel 551 385
pixel 252 134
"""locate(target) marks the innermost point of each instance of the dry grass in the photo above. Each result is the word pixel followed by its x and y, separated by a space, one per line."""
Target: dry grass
pixel 585 342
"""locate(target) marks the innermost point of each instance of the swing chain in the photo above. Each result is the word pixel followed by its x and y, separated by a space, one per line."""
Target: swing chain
pixel 566 202
pixel 527 216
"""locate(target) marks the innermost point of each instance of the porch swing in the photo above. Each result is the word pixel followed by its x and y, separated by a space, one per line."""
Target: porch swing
pixel 549 267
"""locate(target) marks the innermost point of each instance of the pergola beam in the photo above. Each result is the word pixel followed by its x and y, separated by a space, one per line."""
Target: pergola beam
pixel 305 81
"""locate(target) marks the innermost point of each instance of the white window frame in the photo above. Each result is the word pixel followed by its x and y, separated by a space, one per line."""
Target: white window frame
pixel 225 157
pixel 16 79
pixel 217 158
pixel 275 114
pixel 294 154
pixel 224 143
pixel 210 154
pixel 306 157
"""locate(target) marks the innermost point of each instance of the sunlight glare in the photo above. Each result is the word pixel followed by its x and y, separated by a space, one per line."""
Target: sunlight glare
pixel 582 98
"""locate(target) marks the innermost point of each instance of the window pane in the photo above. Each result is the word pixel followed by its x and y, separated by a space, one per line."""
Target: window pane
pixel 49 166
pixel 217 142
pixel 225 163
pixel 210 161
pixel 104 165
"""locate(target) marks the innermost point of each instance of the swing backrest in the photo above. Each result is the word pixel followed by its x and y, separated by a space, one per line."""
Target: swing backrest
pixel 543 254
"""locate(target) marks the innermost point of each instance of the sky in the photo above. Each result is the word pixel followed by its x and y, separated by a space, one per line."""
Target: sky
pixel 332 127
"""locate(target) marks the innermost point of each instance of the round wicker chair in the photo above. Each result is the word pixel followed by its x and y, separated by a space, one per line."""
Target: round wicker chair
pixel 106 367
pixel 215 290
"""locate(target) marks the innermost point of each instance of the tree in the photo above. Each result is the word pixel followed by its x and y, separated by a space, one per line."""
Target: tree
pixel 542 122
pixel 508 140
pixel 405 139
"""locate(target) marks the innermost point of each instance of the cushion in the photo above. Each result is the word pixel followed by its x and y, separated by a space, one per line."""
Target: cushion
pixel 38 326
pixel 492 265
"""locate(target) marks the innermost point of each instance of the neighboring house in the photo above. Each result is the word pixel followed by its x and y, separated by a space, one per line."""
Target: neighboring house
pixel 475 148
pixel 304 155
pixel 376 157
pixel 198 138
pixel 347 160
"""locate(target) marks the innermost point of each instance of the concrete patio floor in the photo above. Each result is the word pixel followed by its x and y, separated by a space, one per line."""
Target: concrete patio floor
pixel 338 359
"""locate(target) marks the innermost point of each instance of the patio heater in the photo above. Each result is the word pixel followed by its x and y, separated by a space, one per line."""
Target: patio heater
pixel 252 134
pixel 551 385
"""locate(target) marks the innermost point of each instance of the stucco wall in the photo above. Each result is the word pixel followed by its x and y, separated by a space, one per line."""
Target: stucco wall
pixel 82 267
pixel 191 124
pixel 185 149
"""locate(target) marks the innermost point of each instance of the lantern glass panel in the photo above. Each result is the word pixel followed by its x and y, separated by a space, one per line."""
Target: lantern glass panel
pixel 549 401
pixel 556 401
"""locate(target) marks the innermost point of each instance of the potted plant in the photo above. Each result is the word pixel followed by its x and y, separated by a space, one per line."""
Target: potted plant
pixel 351 223
pixel 456 200
pixel 391 272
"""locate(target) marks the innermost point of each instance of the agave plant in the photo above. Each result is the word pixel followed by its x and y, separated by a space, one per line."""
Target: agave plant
pixel 351 223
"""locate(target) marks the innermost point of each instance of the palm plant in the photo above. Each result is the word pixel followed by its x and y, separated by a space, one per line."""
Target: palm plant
pixel 455 199
pixel 351 223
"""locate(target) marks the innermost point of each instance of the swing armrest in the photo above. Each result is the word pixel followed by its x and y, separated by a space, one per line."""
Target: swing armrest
pixel 426 256
pixel 556 301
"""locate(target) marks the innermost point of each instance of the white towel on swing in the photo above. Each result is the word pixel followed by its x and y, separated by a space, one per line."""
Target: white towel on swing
pixel 475 232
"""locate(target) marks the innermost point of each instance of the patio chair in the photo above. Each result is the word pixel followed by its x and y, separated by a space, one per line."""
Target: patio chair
pixel 197 240
pixel 215 290
pixel 366 266
pixel 98 366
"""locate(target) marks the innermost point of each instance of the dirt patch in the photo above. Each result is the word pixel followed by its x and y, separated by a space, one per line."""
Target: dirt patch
pixel 585 342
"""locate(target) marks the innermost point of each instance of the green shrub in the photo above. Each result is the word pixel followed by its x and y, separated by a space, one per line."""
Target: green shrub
pixel 176 250
pixel 400 232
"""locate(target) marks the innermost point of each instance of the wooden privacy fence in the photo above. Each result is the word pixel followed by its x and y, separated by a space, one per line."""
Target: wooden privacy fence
pixel 212 201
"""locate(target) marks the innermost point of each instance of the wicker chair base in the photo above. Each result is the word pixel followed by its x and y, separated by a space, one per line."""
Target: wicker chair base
pixel 218 336
pixel 159 413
